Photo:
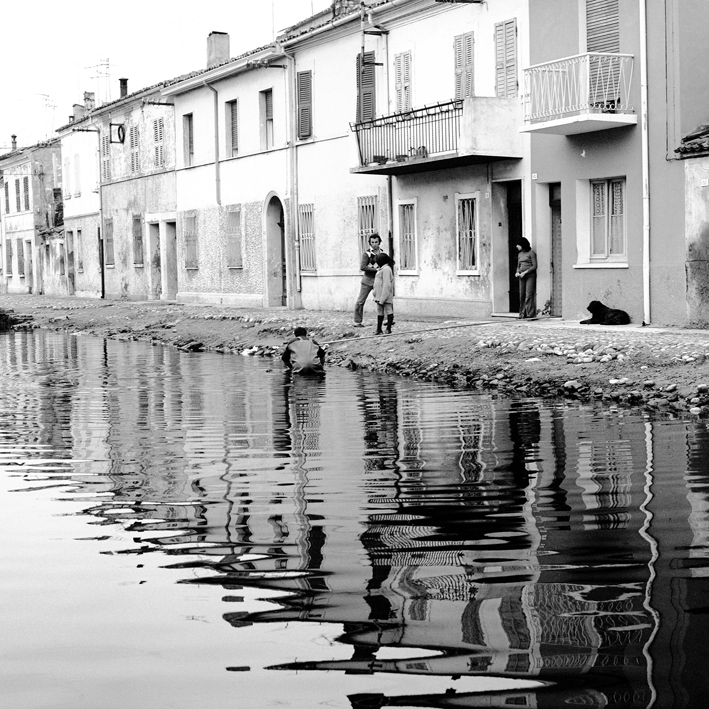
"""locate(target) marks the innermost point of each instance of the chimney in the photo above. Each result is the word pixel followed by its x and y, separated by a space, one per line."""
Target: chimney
pixel 217 48
pixel 79 112
pixel 14 142
pixel 89 101
pixel 124 87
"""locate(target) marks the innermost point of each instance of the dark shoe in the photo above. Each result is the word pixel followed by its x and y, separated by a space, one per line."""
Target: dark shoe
pixel 358 324
pixel 378 332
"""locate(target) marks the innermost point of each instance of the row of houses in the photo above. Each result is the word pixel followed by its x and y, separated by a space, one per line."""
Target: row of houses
pixel 452 128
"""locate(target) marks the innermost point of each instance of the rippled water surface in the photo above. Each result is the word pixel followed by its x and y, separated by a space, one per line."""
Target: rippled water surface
pixel 193 530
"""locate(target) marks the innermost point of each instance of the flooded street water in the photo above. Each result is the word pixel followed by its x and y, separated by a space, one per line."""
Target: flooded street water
pixel 197 530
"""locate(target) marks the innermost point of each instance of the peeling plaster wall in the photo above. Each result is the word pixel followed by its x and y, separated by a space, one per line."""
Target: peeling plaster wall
pixel 697 240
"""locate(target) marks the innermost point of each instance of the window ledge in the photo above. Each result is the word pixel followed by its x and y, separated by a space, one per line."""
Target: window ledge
pixel 309 273
pixel 467 273
pixel 604 264
pixel 138 265
pixel 407 273
pixel 110 265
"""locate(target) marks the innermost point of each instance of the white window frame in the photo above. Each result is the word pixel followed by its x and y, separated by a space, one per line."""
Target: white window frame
pixel 403 270
pixel 584 227
pixel 475 197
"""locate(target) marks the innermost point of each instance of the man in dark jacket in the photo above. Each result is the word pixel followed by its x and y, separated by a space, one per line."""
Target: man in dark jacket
pixel 303 355
pixel 369 268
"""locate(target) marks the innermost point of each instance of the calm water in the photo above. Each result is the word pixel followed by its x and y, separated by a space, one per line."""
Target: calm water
pixel 193 530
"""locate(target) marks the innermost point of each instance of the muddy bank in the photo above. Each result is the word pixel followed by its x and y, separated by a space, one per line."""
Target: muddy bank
pixel 659 369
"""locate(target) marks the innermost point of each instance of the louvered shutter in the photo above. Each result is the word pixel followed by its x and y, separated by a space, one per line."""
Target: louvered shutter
pixel 402 73
pixel 602 26
pixel 506 58
pixel 305 104
pixel 464 46
pixel 366 108
pixel 234 126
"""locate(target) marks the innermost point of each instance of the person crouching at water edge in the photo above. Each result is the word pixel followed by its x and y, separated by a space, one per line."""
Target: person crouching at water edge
pixel 304 355
pixel 384 292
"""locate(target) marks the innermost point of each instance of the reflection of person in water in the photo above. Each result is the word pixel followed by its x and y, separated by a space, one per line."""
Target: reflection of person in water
pixel 304 355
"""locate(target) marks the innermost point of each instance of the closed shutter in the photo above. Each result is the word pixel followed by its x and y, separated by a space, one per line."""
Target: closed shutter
pixel 506 58
pixel 602 26
pixel 305 104
pixel 464 46
pixel 233 239
pixel 366 107
pixel 402 74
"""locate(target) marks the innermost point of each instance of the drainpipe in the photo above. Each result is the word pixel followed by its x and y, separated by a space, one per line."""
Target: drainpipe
pixel 293 173
pixel 217 174
pixel 645 162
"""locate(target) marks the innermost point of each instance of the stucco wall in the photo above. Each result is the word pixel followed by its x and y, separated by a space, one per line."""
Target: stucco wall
pixel 87 278
pixel 697 237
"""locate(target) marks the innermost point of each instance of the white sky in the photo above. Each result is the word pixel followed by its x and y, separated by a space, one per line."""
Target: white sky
pixel 53 48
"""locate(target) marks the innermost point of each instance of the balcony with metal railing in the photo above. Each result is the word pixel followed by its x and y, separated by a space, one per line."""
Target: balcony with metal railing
pixel 580 94
pixel 459 132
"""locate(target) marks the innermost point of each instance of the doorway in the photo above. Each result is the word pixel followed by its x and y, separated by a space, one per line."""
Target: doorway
pixel 29 267
pixel 70 270
pixel 514 234
pixel 555 207
pixel 276 272
pixel 169 260
pixel 155 272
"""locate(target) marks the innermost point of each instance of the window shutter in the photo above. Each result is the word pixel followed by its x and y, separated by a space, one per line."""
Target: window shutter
pixel 269 105
pixel 602 26
pixel 305 104
pixel 366 107
pixel 464 53
pixel 233 233
pixel 234 126
pixel 402 78
pixel 506 58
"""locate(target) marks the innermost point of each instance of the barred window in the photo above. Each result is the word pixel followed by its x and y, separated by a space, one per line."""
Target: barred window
pixel 108 241
pixel 306 229
pixel 608 236
pixel 367 219
pixel 466 233
pixel 190 225
pixel 138 258
pixel 407 236
pixel 233 238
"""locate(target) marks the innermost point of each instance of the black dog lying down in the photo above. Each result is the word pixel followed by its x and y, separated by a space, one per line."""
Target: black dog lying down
pixel 603 315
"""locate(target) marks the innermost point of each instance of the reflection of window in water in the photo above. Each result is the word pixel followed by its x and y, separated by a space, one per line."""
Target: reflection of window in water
pixel 410 459
pixel 605 472
pixel 470 435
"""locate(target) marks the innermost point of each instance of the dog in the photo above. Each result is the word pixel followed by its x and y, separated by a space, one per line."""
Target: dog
pixel 603 315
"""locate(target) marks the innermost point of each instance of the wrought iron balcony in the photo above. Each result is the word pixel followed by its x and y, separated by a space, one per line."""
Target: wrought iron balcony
pixel 579 94
pixel 477 129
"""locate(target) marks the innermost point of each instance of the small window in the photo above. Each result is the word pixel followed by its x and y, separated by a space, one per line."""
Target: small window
pixel 266 107
pixel 506 59
pixel 191 242
pixel 108 241
pixel 79 246
pixel 464 53
pixel 305 104
pixel 105 161
pixel 402 75
pixel 366 87
pixel 306 230
pixel 8 257
pixel 466 233
pixel 407 237
pixel 233 238
pixel 26 192
pixel 367 219
pixel 232 128
pixel 608 219
pixel 18 200
pixel 138 258
pixel 134 153
pixel 188 139
pixel 20 258
pixel 158 145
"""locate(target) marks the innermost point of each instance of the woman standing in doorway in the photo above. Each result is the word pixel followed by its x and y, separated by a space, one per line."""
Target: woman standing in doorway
pixel 527 275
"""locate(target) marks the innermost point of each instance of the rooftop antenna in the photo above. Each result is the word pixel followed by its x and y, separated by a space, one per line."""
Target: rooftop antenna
pixel 103 80
pixel 49 107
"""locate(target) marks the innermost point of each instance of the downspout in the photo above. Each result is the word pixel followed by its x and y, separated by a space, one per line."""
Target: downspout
pixel 217 173
pixel 645 162
pixel 293 174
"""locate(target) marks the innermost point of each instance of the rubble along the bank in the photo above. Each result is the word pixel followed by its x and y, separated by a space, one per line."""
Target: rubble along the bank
pixel 654 372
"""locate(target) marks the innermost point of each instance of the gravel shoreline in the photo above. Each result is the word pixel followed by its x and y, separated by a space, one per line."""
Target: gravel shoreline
pixel 658 369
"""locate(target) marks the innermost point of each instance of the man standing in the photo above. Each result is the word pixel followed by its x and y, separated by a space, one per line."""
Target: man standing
pixel 303 355
pixel 369 268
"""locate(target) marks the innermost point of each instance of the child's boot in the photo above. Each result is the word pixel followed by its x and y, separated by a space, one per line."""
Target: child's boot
pixel 380 320
pixel 390 322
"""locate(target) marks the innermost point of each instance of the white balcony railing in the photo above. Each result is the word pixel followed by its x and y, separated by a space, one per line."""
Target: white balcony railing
pixel 584 84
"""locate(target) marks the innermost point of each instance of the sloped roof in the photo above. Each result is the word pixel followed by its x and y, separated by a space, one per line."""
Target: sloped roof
pixel 695 143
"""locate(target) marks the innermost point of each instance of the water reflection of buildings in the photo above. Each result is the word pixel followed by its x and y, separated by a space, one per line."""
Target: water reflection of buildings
pixel 513 538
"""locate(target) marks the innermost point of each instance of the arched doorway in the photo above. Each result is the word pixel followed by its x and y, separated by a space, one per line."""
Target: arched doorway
pixel 276 275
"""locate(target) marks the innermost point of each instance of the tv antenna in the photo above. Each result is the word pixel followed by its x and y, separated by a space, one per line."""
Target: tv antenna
pixel 102 76
pixel 49 108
